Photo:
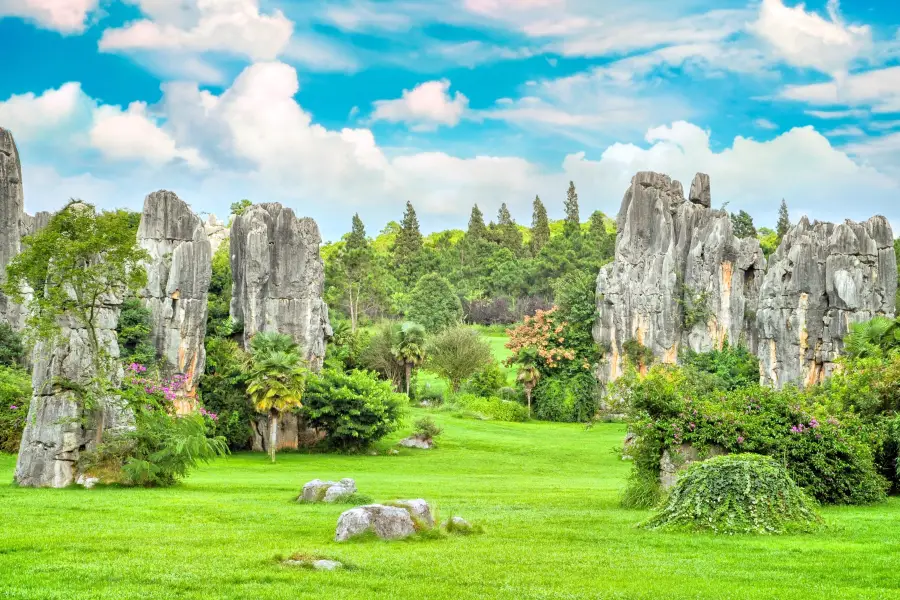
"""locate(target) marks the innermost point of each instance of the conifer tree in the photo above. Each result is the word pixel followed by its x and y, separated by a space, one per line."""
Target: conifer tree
pixel 573 220
pixel 356 260
pixel 509 235
pixel 784 221
pixel 409 239
pixel 477 229
pixel 540 226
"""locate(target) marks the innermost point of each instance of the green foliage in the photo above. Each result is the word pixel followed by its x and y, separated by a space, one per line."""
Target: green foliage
pixel 223 390
pixel 355 409
pixel 831 458
pixel 407 249
pixel 15 396
pixel 694 304
pixel 433 304
pixel 873 338
pixel 742 225
pixel 506 232
pixel 410 350
pixel 573 221
pixel 219 298
pixel 769 241
pixel 637 354
pixel 576 301
pixel 239 208
pixel 133 332
pixel 742 493
pixel 733 366
pixel 345 348
pixel 457 354
pixel 78 259
pixel 784 221
pixel 486 381
pixel 426 429
pixel 477 228
pixel 540 227
pixel 491 408
pixel 567 398
pixel 12 350
pixel 379 355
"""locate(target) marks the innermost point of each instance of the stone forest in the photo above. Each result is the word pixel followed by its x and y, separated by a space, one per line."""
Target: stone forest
pixel 667 403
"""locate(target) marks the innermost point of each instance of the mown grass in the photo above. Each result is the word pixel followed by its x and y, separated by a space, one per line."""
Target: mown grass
pixel 546 495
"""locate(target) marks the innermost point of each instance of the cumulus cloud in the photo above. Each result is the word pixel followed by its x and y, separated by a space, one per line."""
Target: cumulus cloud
pixel 261 144
pixel 65 16
pixel 29 115
pixel 806 39
pixel 229 26
pixel 425 107
pixel 878 89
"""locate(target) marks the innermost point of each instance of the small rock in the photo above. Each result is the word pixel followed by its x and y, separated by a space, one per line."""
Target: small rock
pixel 630 439
pixel 87 482
pixel 393 452
pixel 327 491
pixel 327 565
pixel 387 522
pixel 458 524
pixel 418 509
pixel 417 442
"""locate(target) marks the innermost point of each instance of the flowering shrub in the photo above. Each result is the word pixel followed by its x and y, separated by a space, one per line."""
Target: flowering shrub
pixel 545 332
pixel 163 446
pixel 828 455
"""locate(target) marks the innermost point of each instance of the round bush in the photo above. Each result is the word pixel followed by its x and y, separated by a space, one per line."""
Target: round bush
pixel 739 493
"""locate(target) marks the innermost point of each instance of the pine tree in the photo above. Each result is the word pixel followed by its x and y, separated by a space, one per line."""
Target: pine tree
pixel 477 229
pixel 409 239
pixel 573 220
pixel 540 226
pixel 509 235
pixel 784 221
pixel 742 224
pixel 356 260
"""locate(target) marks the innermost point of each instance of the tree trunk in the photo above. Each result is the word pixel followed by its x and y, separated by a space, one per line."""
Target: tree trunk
pixel 408 376
pixel 354 309
pixel 528 396
pixel 273 433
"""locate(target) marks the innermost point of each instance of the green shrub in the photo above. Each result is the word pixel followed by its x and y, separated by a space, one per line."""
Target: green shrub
pixel 567 399
pixel 12 350
pixel 223 390
pixel 354 409
pixel 741 493
pixel 487 381
pixel 830 457
pixel 492 408
pixel 134 333
pixel 732 366
pixel 432 395
pixel 434 304
pixel 426 429
pixel 456 354
pixel 15 396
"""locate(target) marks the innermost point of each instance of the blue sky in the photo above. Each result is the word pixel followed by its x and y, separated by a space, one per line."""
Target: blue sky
pixel 336 107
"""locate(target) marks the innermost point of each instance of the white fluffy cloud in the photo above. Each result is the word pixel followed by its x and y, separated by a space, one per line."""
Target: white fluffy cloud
pixel 228 26
pixel 260 143
pixel 805 39
pixel 878 89
pixel 29 115
pixel 424 107
pixel 65 16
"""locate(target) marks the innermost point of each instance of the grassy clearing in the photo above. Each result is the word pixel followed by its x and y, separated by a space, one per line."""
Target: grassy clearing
pixel 546 495
pixel 496 337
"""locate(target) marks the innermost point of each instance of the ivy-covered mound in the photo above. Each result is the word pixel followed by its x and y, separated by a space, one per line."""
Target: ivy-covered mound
pixel 739 493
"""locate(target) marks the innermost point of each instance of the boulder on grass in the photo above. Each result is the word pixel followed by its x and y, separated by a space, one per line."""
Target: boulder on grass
pixel 327 491
pixel 458 525
pixel 416 441
pixel 387 522
pixel 676 460
pixel 419 510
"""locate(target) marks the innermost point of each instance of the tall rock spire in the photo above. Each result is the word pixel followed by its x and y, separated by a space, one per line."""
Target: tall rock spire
pixel 12 219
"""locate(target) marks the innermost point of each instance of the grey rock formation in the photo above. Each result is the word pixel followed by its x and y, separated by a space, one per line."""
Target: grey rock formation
pixel 328 492
pixel 676 460
pixel 178 277
pixel 419 510
pixel 37 222
pixel 216 231
pixel 59 428
pixel 387 522
pixel 279 278
pixel 12 219
pixel 417 442
pixel 681 279
pixel 822 278
pixel 680 276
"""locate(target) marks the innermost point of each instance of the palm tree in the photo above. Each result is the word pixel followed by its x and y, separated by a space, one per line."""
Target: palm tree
pixel 277 379
pixel 529 375
pixel 872 338
pixel 410 349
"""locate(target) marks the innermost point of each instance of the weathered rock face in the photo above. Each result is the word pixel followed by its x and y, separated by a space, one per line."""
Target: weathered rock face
pixel 12 219
pixel 680 276
pixel 59 428
pixel 37 222
pixel 178 277
pixel 681 279
pixel 279 278
pixel 822 278
pixel 216 231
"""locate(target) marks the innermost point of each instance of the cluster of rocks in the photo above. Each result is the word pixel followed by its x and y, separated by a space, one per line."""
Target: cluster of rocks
pixel 278 286
pixel 682 279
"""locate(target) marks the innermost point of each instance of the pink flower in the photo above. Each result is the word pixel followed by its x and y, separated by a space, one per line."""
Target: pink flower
pixel 13 407
pixel 740 439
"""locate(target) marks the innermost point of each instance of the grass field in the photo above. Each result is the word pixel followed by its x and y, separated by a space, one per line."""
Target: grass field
pixel 546 495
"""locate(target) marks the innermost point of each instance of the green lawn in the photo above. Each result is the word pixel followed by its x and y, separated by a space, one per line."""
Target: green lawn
pixel 546 495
